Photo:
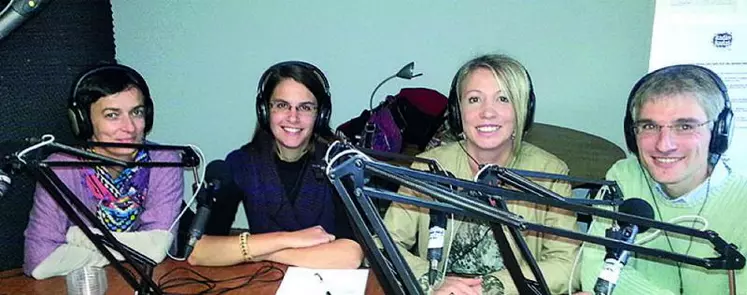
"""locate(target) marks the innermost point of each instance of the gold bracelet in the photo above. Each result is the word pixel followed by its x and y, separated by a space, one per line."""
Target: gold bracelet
pixel 245 247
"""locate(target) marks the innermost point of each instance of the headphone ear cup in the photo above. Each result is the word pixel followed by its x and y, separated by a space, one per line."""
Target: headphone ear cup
pixel 78 114
pixel 323 119
pixel 79 123
pixel 530 109
pixel 74 126
pixel 262 114
pixel 530 104
pixel 630 141
pixel 628 132
pixel 454 116
pixel 720 135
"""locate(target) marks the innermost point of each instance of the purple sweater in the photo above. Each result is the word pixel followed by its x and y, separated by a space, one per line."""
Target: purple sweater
pixel 48 224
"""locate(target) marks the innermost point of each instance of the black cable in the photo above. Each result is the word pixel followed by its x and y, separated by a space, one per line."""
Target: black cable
pixel 661 218
pixel 470 156
pixel 472 246
pixel 211 285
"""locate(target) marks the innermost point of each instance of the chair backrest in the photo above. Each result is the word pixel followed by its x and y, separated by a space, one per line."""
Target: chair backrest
pixel 587 156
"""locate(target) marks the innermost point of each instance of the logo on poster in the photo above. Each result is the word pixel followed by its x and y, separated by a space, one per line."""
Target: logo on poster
pixel 722 40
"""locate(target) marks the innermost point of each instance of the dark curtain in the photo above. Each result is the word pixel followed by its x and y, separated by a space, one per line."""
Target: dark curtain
pixel 38 62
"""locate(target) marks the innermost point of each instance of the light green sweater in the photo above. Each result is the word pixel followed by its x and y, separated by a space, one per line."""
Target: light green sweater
pixel 724 208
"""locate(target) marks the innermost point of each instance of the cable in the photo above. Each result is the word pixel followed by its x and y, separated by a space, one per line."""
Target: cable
pixel 468 155
pixel 451 240
pixel 210 286
pixel 200 155
pixel 575 261
pixel 6 7
pixel 326 154
pixel 669 242
pixel 677 220
pixel 640 242
pixel 46 139
pixel 340 155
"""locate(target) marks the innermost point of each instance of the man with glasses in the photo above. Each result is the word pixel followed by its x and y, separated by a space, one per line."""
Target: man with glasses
pixel 677 127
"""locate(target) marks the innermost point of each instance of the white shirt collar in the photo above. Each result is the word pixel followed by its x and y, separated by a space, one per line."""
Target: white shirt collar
pixel 717 178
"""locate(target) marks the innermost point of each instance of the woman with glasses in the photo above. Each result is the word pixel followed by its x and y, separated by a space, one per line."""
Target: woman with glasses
pixel 295 216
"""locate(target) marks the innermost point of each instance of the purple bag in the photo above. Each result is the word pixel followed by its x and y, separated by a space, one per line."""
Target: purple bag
pixel 412 116
pixel 387 136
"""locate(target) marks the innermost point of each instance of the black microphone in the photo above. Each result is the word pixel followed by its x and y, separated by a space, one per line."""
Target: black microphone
pixel 4 183
pixel 7 168
pixel 18 11
pixel 436 232
pixel 615 259
pixel 216 174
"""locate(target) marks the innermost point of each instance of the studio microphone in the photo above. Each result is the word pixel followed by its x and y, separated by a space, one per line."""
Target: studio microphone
pixel 18 11
pixel 4 183
pixel 216 175
pixel 436 232
pixel 6 169
pixel 616 259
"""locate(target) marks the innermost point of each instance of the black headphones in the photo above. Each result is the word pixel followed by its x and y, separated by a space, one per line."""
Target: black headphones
pixel 263 96
pixel 721 126
pixel 80 101
pixel 454 117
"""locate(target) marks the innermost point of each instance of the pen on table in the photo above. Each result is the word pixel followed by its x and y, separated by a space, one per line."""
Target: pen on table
pixel 321 280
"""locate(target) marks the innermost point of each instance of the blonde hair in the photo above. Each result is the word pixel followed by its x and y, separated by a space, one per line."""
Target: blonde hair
pixel 511 77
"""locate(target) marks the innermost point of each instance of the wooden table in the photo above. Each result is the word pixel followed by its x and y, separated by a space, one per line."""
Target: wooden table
pixel 14 282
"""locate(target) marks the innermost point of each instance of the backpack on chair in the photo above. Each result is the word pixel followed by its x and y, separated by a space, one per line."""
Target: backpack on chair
pixel 410 117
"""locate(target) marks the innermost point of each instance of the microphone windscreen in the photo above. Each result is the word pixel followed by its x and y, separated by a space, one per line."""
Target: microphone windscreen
pixel 218 170
pixel 637 207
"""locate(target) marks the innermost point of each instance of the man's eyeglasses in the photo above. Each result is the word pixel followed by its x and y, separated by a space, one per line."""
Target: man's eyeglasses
pixel 306 108
pixel 680 128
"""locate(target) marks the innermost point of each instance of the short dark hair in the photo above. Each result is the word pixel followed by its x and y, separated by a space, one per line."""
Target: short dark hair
pixel 104 80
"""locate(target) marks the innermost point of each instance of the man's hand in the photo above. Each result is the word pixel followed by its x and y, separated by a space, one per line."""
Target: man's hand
pixel 460 286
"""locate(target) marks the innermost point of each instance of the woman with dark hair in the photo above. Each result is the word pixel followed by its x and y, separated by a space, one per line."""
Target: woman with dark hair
pixel 294 216
pixel 110 103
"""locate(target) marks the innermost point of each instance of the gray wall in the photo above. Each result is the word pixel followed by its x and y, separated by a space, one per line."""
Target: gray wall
pixel 203 58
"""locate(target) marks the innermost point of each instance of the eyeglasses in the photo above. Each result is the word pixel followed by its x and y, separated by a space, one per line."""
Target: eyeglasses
pixel 305 109
pixel 679 129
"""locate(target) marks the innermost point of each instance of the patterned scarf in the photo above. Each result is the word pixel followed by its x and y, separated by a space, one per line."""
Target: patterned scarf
pixel 119 200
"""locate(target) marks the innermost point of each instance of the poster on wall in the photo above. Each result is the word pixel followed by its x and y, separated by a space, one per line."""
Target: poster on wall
pixel 713 34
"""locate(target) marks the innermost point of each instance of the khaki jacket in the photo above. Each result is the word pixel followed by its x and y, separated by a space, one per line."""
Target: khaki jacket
pixel 408 224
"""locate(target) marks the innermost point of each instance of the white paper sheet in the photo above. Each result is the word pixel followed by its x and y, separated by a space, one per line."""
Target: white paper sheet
pixel 710 33
pixel 299 280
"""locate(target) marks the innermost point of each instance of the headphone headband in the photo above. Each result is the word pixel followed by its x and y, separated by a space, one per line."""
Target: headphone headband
pixel 262 99
pixel 722 124
pixel 454 117
pixel 79 111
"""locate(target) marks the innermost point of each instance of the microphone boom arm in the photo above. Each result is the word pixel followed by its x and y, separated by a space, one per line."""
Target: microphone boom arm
pixel 348 177
pixel 73 206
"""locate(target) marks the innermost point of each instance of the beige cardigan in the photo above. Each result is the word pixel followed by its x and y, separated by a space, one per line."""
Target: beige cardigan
pixel 407 223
